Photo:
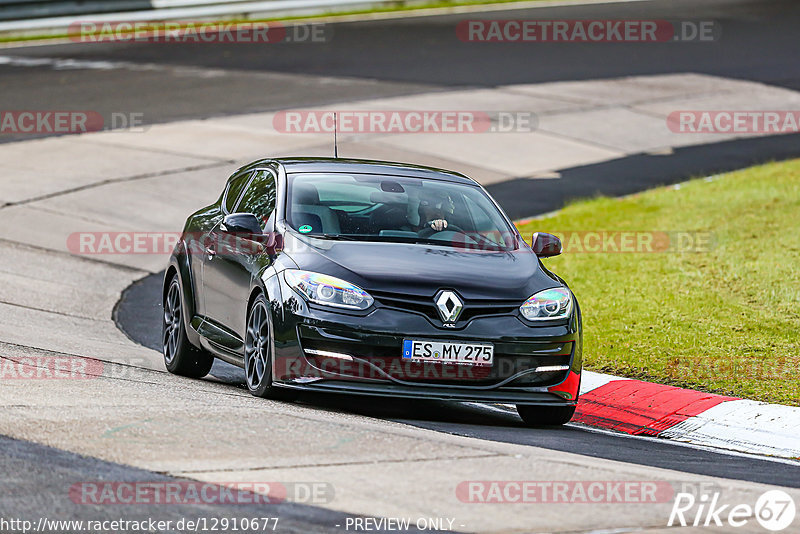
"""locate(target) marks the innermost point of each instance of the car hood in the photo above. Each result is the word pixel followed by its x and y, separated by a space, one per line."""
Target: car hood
pixel 421 270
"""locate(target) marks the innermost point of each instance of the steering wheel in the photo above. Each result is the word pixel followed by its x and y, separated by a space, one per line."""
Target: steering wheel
pixel 428 231
pixel 387 217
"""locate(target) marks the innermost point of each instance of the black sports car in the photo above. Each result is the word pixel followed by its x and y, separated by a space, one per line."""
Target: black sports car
pixel 374 278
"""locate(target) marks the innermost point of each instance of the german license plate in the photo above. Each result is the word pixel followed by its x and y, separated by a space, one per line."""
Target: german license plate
pixel 481 354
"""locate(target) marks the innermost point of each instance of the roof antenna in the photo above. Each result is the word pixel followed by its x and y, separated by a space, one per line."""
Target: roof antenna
pixel 335 143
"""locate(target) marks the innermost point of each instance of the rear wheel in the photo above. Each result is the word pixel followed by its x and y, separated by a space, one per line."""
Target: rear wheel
pixel 259 346
pixel 180 356
pixel 545 415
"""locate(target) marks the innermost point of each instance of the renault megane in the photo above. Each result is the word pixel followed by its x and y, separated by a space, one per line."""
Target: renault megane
pixel 372 278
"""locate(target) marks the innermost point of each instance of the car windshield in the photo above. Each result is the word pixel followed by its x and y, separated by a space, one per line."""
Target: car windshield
pixel 368 207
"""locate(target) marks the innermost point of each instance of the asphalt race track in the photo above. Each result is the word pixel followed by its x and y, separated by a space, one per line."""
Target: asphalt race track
pixel 138 314
pixel 40 465
pixel 759 43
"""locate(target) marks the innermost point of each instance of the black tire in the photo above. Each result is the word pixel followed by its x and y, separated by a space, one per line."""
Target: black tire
pixel 545 415
pixel 259 347
pixel 180 356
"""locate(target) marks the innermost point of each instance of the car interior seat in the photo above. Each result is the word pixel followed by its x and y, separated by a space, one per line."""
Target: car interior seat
pixel 308 210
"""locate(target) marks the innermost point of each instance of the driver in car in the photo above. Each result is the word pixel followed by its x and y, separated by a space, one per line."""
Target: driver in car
pixel 434 211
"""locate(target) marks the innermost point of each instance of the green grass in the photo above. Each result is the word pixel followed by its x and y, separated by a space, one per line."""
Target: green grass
pixel 726 320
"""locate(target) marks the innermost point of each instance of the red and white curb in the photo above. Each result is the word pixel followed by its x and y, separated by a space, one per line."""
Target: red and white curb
pixel 643 408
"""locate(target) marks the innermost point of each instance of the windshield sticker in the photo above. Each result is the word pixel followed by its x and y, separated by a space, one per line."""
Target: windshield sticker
pixel 305 229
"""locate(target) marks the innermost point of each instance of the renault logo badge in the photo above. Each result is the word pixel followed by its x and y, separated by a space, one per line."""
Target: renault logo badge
pixel 449 306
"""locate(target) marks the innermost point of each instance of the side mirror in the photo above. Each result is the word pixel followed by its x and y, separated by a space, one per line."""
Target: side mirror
pixel 545 245
pixel 241 223
pixel 274 243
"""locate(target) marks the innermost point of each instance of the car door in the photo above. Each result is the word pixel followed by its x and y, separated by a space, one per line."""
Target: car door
pixel 228 272
pixel 204 250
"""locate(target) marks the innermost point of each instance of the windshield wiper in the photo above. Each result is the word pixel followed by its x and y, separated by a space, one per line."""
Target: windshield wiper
pixel 363 237
pixel 494 247
pixel 342 237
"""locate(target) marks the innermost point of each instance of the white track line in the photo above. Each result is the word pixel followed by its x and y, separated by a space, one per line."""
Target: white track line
pixel 707 448
pixel 726 452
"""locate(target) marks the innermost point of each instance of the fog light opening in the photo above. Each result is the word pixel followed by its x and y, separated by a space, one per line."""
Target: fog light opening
pixel 550 368
pixel 328 354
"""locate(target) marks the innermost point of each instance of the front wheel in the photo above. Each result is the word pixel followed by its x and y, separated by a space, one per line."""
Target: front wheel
pixel 545 415
pixel 259 346
pixel 180 356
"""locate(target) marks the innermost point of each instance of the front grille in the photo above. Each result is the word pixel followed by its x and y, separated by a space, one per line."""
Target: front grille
pixel 509 359
pixel 426 306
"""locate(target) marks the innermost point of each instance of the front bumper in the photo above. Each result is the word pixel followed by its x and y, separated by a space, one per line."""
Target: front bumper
pixel 324 350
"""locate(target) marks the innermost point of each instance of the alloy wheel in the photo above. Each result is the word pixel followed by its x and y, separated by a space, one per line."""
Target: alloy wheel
pixel 172 322
pixel 257 346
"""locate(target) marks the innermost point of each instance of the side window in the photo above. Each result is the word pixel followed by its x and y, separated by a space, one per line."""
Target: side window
pixel 234 189
pixel 485 226
pixel 480 219
pixel 259 197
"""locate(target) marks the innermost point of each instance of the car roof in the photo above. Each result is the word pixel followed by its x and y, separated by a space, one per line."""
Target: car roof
pixel 365 166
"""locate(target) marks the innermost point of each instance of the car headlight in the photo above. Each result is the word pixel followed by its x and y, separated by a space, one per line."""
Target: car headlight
pixel 555 303
pixel 327 290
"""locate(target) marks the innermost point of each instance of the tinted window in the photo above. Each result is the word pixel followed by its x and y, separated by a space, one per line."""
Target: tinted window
pixel 259 198
pixel 234 189
pixel 371 207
